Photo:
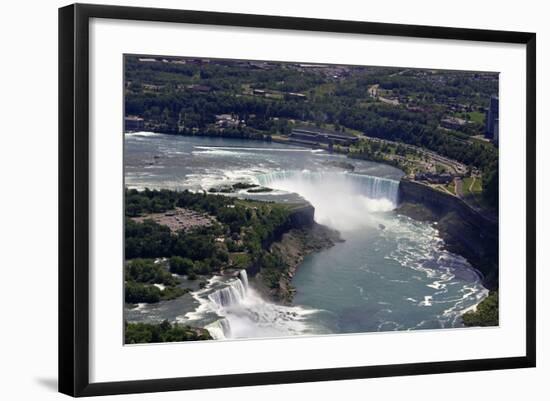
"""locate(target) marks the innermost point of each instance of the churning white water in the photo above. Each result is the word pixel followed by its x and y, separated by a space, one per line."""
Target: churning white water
pixel 245 314
pixel 343 201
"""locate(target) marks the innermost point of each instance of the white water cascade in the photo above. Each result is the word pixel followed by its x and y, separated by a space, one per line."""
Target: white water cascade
pixel 245 314
pixel 368 185
pixel 234 293
pixel 344 201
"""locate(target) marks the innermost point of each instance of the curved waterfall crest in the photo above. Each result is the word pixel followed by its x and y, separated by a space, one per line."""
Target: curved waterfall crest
pixel 361 184
pixel 234 293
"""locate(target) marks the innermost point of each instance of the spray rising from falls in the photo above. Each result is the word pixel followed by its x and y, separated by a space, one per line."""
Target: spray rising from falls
pixel 244 314
pixel 344 201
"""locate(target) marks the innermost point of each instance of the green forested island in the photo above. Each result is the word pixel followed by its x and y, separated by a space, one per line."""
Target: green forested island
pixel 238 237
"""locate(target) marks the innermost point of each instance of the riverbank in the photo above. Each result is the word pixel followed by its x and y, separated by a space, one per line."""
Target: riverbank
pixel 464 231
pixel 484 313
pixel 291 250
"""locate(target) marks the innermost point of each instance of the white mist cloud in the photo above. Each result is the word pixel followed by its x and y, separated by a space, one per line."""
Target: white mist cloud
pixel 342 201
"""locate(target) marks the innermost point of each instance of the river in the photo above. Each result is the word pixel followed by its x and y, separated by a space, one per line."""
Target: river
pixel 390 273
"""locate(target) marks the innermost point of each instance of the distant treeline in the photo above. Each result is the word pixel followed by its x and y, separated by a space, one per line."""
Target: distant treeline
pixel 342 103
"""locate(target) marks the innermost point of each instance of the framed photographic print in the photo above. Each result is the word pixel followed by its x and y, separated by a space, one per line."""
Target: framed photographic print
pixel 250 199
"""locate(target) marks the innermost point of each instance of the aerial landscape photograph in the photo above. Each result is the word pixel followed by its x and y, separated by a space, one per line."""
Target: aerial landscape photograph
pixel 271 199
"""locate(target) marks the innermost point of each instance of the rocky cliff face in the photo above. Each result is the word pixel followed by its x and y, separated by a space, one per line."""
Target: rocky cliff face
pixel 291 249
pixel 464 230
pixel 297 237
pixel 300 217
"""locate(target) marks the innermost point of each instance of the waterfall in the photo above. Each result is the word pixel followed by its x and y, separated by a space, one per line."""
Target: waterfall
pixel 243 313
pixel 342 200
pixel 377 187
pixel 244 278
pixel 232 294
pixel 220 329
pixel 367 185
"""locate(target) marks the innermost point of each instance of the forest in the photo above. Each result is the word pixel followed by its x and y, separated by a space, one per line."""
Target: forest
pixel 138 333
pixel 486 313
pixel 243 228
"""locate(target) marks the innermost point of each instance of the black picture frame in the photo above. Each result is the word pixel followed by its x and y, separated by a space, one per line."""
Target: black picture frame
pixel 74 198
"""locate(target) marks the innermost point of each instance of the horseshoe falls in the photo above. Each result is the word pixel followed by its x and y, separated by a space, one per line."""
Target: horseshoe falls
pixel 343 201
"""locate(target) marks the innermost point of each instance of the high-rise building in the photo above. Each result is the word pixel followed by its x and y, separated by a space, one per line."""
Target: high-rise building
pixel 491 119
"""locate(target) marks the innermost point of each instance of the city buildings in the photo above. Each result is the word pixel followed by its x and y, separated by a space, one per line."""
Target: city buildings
pixel 492 119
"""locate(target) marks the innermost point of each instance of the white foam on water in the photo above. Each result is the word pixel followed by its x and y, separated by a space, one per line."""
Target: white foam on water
pixel 219 329
pixel 232 149
pixel 220 152
pixel 343 201
pixel 243 313
pixel 427 301
pixel 141 134
pixel 141 307
pixel 420 248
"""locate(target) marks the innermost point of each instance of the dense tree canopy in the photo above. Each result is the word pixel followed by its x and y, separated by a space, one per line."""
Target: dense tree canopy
pixel 137 333
pixel 486 313
pixel 243 226
pixel 140 277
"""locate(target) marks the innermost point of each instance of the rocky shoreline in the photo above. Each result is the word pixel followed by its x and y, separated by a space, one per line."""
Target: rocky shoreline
pixel 464 231
pixel 292 248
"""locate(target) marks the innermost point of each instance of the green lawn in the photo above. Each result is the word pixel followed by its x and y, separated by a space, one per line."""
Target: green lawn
pixel 476 187
pixel 477 117
pixel 451 187
pixel 473 116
